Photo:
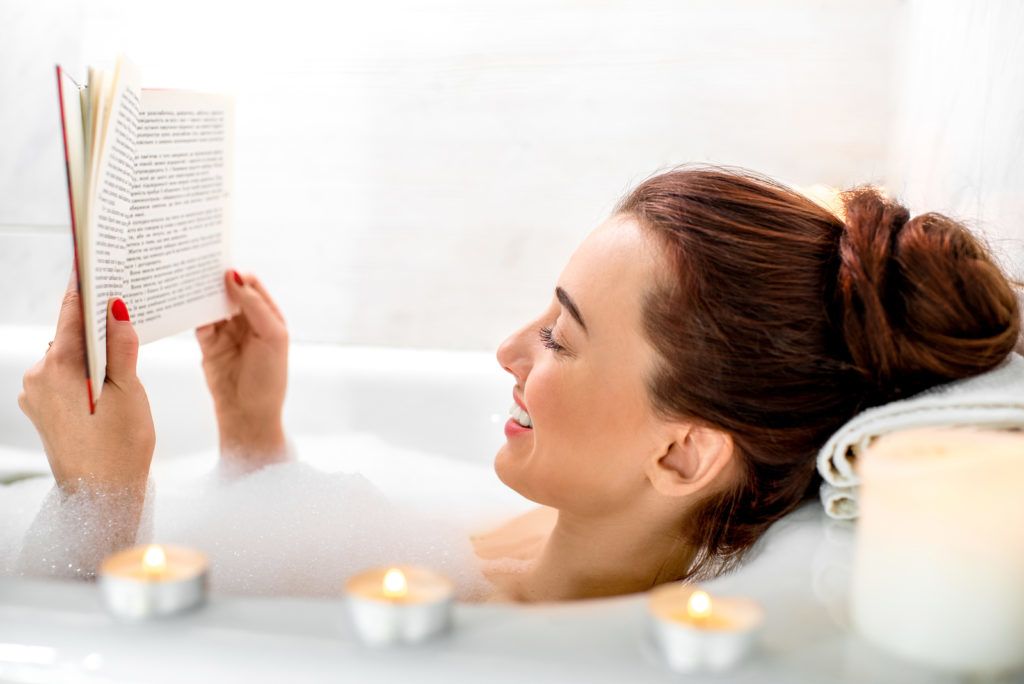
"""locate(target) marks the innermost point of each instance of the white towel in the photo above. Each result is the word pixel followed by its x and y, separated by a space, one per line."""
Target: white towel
pixel 840 502
pixel 993 400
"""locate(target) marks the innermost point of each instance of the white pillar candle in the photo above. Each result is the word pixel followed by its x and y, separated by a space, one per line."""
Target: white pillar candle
pixel 153 581
pixel 698 632
pixel 400 604
pixel 939 564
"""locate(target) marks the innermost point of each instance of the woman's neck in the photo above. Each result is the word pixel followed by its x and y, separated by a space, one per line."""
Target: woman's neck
pixel 606 555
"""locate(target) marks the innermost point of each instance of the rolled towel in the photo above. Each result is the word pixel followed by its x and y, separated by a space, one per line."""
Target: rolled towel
pixel 840 502
pixel 994 399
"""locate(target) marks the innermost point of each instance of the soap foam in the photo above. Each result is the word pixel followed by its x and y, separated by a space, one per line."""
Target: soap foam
pixel 296 528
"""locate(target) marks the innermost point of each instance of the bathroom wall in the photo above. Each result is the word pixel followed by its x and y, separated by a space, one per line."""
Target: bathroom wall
pixel 416 173
pixel 958 132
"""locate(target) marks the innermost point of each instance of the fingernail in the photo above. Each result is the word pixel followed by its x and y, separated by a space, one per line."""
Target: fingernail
pixel 238 278
pixel 120 310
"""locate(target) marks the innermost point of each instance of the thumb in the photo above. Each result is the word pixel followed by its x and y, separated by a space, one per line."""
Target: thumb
pixel 122 343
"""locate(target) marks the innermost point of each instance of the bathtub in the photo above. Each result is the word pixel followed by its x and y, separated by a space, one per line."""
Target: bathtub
pixel 452 405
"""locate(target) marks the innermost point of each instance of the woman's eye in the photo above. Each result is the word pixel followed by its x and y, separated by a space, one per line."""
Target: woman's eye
pixel 549 340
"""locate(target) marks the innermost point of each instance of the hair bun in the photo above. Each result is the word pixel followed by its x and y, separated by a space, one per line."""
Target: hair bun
pixel 923 300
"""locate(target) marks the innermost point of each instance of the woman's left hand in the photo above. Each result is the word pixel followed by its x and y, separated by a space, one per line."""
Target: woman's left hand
pixel 245 361
pixel 110 449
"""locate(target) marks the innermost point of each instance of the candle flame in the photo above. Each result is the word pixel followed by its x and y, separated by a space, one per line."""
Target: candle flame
pixel 394 585
pixel 699 605
pixel 154 560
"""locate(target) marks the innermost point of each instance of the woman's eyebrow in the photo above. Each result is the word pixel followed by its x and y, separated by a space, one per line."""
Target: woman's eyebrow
pixel 570 306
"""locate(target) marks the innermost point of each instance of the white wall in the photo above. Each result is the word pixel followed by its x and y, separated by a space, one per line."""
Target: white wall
pixel 416 173
pixel 958 141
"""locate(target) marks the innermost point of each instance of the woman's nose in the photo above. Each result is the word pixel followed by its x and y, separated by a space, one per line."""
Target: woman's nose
pixel 514 354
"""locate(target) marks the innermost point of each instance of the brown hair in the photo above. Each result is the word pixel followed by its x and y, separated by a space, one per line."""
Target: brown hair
pixel 778 321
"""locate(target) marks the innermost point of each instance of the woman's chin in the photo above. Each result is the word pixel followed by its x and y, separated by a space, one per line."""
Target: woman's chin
pixel 508 465
pixel 511 468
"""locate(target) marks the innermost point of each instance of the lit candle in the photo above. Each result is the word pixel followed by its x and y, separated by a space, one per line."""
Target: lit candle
pixel 153 581
pixel 696 633
pixel 399 605
pixel 938 572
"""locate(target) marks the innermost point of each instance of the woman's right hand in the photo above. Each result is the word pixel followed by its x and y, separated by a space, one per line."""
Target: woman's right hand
pixel 245 360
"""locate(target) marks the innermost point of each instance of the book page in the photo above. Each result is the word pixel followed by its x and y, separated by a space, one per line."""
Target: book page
pixel 108 210
pixel 179 238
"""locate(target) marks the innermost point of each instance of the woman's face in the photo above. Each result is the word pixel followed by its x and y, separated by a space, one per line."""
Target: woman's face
pixel 581 369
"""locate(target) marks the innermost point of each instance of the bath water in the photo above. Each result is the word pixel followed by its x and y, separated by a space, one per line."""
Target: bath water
pixel 347 502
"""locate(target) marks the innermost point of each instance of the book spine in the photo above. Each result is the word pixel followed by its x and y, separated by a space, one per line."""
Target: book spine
pixel 74 230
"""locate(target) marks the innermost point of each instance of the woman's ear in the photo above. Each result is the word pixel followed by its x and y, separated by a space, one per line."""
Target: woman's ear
pixel 691 459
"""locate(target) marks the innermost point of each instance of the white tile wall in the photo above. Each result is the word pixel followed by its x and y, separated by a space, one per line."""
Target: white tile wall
pixel 34 268
pixel 416 173
pixel 958 143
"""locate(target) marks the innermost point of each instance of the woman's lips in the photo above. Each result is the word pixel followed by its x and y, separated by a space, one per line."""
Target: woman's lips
pixel 514 429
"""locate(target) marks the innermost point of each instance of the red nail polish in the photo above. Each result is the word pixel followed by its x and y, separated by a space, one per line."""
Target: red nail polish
pixel 120 310
pixel 238 278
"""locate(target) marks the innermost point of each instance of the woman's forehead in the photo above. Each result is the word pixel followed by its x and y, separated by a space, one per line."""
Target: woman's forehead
pixel 611 271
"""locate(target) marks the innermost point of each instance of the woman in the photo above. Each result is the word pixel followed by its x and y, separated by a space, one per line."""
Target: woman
pixel 700 347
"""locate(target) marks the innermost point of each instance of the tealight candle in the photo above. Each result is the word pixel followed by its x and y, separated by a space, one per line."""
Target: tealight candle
pixel 399 605
pixel 698 633
pixel 153 581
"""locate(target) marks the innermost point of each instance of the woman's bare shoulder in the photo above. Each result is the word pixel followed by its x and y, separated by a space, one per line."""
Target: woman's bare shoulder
pixel 521 537
pixel 530 520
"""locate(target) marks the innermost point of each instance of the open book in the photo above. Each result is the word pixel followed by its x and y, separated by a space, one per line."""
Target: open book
pixel 149 186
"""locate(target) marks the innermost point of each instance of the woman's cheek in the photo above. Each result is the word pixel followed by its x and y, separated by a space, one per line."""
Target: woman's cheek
pixel 558 407
pixel 543 399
